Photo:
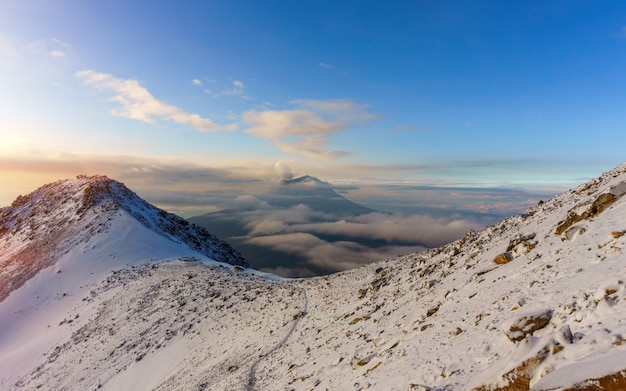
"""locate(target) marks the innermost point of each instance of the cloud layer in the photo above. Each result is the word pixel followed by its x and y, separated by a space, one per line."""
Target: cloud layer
pixel 136 102
pixel 328 243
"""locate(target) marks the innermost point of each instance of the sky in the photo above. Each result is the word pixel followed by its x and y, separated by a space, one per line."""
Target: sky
pixel 193 103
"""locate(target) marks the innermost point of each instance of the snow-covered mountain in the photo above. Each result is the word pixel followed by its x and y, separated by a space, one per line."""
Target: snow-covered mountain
pixel 537 302
pixel 68 235
pixel 36 229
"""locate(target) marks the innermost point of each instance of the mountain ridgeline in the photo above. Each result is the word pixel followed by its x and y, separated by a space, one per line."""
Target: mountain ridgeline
pixel 38 228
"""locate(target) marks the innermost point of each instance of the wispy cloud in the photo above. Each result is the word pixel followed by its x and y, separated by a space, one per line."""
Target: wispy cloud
pixel 325 65
pixel 197 82
pixel 306 129
pixel 136 102
pixel 237 88
pixel 50 46
pixel 621 33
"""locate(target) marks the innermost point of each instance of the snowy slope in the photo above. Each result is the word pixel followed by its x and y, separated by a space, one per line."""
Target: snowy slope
pixel 537 302
pixel 38 227
pixel 59 241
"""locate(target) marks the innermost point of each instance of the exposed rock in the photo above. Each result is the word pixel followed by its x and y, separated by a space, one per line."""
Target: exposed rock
pixel 520 239
pixel 518 246
pixel 572 233
pixel 617 234
pixel 432 311
pixel 518 328
pixel 588 210
pixel 455 332
pixel 503 258
pixel 518 379
pixel 359 362
pixel 452 251
pixel 613 382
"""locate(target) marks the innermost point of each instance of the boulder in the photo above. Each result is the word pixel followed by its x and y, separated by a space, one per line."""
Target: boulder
pixel 588 210
pixel 518 328
pixel 503 258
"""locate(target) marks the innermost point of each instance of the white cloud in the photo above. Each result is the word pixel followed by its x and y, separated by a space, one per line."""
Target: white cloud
pixel 325 65
pixel 237 88
pixel 136 102
pixel 284 170
pixel 330 256
pixel 197 82
pixel 306 130
pixel 249 202
pixel 422 229
pixel 299 131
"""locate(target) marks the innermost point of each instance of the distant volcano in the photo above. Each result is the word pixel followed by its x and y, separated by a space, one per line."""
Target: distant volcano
pixel 315 194
pixel 307 194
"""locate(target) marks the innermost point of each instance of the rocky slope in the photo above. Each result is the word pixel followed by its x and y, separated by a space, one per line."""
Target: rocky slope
pixel 537 302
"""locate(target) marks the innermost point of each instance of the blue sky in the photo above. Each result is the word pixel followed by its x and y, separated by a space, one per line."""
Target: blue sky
pixel 196 97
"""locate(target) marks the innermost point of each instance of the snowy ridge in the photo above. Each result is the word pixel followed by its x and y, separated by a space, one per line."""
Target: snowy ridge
pixel 103 191
pixel 536 302
pixel 38 227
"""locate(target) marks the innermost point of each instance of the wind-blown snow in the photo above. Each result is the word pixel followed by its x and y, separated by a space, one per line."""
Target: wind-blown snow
pixel 551 314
